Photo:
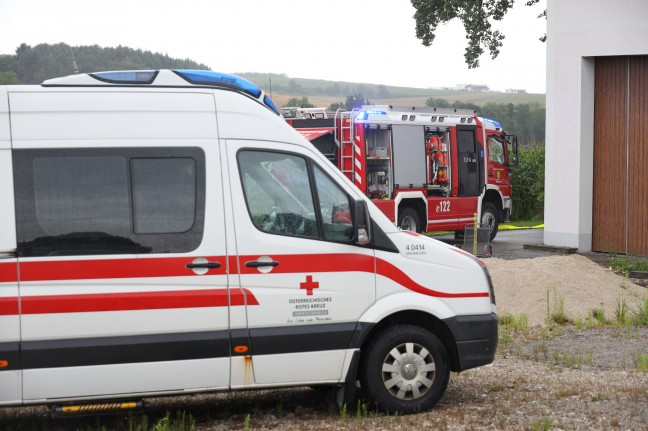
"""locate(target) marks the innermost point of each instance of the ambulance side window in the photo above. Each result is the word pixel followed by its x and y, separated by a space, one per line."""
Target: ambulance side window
pixel 109 201
pixel 335 208
pixel 277 192
pixel 287 195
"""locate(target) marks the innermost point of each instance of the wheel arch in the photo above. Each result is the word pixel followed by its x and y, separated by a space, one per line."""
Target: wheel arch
pixel 415 201
pixel 421 319
pixel 493 196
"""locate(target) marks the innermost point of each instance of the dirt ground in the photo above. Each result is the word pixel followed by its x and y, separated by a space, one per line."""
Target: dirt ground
pixel 544 377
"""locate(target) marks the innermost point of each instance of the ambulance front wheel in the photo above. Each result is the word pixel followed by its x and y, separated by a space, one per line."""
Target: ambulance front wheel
pixel 408 220
pixel 405 369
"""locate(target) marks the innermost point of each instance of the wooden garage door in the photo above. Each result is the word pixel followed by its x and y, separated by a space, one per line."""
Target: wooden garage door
pixel 620 212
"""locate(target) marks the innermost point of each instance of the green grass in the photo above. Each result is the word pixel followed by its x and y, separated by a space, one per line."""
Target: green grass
pixel 624 266
pixel 641 362
pixel 513 225
pixel 522 224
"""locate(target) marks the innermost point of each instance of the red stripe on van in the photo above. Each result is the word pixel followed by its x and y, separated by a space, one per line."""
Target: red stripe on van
pixel 334 262
pixel 134 301
pixel 348 263
pixel 8 306
pixel 112 268
pixel 388 270
pixel 8 272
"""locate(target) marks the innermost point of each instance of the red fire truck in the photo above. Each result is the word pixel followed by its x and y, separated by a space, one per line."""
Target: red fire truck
pixel 425 168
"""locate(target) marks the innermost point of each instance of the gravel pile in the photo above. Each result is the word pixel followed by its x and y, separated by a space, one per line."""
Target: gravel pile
pixel 537 286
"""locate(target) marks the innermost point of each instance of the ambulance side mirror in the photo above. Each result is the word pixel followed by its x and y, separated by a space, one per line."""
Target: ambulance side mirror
pixel 361 223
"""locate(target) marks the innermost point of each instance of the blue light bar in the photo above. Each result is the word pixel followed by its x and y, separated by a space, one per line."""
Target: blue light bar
pixel 207 77
pixel 363 115
pixel 495 124
pixel 126 77
pixel 270 105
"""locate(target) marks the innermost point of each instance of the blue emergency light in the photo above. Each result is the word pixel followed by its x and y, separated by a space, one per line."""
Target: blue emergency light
pixel 495 124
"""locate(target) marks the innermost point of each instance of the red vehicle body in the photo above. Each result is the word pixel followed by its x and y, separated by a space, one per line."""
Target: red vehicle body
pixel 425 168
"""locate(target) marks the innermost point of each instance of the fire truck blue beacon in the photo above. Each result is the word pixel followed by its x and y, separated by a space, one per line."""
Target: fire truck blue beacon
pixel 167 232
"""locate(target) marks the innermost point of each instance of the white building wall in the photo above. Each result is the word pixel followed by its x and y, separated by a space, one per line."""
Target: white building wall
pixel 578 31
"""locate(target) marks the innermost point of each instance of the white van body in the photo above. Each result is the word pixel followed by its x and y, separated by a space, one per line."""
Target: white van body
pixel 110 188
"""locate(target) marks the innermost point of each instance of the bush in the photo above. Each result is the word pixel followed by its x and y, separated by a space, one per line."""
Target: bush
pixel 527 179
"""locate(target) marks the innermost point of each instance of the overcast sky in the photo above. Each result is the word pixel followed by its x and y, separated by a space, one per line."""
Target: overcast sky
pixel 370 41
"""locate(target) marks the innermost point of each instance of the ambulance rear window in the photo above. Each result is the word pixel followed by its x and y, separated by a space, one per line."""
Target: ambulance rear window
pixel 127 77
pixel 109 201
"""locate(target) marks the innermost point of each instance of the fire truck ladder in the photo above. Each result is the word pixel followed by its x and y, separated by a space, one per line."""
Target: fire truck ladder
pixel 344 140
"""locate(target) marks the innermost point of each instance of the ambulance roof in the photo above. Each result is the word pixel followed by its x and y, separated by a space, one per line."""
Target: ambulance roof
pixel 167 78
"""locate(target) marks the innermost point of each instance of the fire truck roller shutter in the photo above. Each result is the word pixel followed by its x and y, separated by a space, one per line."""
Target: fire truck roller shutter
pixel 409 156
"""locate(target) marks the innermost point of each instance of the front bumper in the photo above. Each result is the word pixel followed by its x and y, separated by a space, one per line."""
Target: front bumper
pixel 476 340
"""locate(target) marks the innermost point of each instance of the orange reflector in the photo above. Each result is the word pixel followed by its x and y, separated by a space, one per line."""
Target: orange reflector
pixel 240 349
pixel 4 364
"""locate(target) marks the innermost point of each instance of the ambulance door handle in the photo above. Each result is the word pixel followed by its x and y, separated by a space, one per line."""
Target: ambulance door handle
pixel 208 265
pixel 257 264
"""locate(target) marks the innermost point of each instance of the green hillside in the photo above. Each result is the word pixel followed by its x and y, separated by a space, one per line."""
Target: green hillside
pixel 326 92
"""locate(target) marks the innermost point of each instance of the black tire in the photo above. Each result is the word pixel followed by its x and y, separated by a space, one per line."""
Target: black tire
pixel 408 220
pixel 412 381
pixel 490 217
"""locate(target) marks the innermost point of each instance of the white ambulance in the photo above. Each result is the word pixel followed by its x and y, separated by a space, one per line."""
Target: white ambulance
pixel 166 232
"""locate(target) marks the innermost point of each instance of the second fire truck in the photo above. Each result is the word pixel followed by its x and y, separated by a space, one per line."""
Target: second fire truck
pixel 427 169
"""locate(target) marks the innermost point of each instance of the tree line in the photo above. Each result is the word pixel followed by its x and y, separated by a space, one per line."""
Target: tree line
pixel 33 65
pixel 526 120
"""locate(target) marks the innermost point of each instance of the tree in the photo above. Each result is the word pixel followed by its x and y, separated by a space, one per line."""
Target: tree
pixel 356 101
pixel 299 102
pixel 8 78
pixel 476 17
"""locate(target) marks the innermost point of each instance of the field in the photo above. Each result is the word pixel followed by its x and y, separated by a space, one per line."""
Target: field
pixel 322 93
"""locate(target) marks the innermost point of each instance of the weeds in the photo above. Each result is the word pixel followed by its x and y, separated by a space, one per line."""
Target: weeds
pixel 624 266
pixel 598 314
pixel 521 322
pixel 641 317
pixel 343 412
pixel 246 423
pixel 573 361
pixel 640 362
pixel 621 311
pixel 556 312
pixel 541 424
pixel 362 410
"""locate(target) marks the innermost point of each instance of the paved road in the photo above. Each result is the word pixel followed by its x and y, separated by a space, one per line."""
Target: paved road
pixel 510 244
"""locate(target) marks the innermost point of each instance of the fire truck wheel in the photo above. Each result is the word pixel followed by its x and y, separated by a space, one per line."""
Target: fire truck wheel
pixel 490 217
pixel 405 369
pixel 408 220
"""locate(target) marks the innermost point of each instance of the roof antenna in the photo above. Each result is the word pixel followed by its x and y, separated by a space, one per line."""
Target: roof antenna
pixel 74 63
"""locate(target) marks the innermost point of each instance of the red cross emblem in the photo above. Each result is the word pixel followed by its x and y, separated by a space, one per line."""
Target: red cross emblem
pixel 309 285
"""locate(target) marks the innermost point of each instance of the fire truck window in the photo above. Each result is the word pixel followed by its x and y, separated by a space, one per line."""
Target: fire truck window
pixel 335 209
pixel 496 150
pixel 278 193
